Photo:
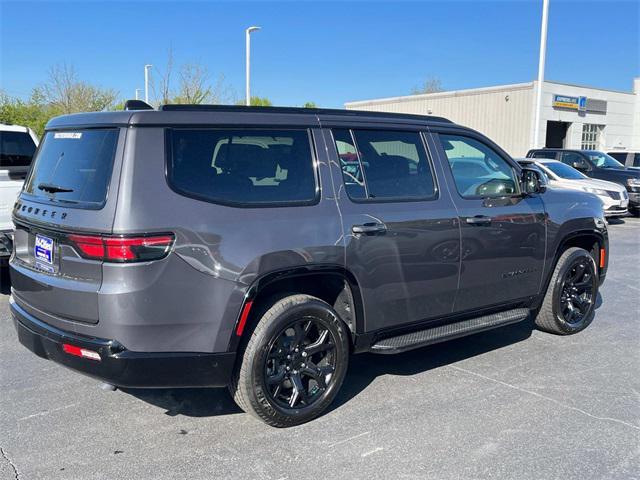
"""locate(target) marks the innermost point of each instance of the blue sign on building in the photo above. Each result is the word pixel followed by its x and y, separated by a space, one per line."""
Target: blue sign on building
pixel 582 104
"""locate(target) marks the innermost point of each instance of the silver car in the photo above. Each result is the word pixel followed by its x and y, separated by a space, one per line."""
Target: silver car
pixel 614 197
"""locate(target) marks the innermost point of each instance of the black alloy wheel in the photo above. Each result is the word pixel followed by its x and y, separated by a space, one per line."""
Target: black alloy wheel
pixel 294 361
pixel 577 292
pixel 300 364
pixel 569 305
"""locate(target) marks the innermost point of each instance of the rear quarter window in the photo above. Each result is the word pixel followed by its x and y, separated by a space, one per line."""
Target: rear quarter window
pixel 242 167
pixel 74 167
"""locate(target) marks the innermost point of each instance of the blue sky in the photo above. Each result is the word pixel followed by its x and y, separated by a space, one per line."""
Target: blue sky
pixel 327 52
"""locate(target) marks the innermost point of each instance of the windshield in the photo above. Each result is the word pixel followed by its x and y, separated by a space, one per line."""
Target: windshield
pixel 564 171
pixel 602 160
pixel 74 166
pixel 16 149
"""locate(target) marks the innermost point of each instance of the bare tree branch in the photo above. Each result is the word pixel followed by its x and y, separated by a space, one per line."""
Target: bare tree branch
pixel 67 94
pixel 430 85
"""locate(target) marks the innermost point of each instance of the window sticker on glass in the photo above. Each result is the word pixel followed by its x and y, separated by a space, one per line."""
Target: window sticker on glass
pixel 74 135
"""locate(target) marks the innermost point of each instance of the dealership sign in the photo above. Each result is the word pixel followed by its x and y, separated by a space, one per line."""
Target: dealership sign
pixel 572 103
pixel 581 104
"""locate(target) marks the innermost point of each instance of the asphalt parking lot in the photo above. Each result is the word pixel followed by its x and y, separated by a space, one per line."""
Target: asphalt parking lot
pixel 514 403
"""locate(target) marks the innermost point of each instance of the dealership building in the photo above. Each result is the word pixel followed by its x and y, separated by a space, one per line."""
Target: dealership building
pixel 572 116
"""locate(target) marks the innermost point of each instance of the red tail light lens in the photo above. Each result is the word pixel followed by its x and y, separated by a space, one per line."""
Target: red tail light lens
pixel 123 249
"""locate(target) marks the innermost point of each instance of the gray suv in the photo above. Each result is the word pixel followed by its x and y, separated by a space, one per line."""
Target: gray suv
pixel 258 248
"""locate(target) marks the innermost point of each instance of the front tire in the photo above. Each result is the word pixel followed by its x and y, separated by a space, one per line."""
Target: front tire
pixel 569 303
pixel 294 363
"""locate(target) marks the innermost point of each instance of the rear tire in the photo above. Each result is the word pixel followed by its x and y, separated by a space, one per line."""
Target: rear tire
pixel 569 303
pixel 293 364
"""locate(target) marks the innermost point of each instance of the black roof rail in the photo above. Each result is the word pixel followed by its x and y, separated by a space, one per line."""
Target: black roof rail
pixel 174 107
pixel 137 105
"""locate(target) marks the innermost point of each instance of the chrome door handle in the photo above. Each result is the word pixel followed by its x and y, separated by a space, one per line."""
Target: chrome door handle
pixel 369 228
pixel 478 220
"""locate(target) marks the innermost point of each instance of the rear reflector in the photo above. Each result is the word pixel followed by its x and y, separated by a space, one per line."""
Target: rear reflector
pixel 603 253
pixel 80 352
pixel 243 318
pixel 123 249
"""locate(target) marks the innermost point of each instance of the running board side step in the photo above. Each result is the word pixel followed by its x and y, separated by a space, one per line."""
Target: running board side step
pixel 448 331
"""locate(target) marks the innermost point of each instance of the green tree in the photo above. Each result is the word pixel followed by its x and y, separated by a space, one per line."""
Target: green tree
pixel 257 102
pixel 310 105
pixel 32 113
pixel 66 93
pixel 63 92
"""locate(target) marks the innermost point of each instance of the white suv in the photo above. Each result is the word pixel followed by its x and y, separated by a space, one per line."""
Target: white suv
pixel 17 147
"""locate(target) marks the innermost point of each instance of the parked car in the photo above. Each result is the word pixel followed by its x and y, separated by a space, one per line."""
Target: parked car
pixel 242 246
pixel 613 196
pixel 17 147
pixel 630 159
pixel 597 164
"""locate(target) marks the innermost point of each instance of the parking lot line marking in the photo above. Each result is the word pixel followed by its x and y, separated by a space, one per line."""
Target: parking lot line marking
pixel 349 439
pixel 46 412
pixel 371 452
pixel 530 392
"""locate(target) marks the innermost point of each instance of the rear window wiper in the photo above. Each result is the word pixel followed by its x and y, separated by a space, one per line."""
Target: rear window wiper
pixel 48 187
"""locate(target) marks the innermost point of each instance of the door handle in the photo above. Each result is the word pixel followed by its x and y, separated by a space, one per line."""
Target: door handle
pixel 369 228
pixel 479 220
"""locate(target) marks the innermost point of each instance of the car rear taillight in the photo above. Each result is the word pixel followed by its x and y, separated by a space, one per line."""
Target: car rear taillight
pixel 123 249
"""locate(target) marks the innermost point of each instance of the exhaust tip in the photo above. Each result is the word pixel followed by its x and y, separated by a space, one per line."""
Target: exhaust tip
pixel 108 387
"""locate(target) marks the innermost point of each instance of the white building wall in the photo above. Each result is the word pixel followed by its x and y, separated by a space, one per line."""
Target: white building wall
pixel 506 113
pixel 501 113
pixel 635 143
pixel 618 121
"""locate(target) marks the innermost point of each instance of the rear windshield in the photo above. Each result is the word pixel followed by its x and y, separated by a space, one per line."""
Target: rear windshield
pixel 243 167
pixel 16 149
pixel 74 167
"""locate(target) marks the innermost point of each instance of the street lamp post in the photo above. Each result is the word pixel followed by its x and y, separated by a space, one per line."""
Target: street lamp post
pixel 146 82
pixel 137 94
pixel 248 61
pixel 543 51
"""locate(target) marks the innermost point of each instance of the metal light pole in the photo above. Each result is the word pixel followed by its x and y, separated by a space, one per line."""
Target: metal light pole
pixel 146 82
pixel 543 51
pixel 137 94
pixel 248 61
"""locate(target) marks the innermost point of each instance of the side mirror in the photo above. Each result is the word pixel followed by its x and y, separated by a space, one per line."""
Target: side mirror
pixel 532 181
pixel 578 165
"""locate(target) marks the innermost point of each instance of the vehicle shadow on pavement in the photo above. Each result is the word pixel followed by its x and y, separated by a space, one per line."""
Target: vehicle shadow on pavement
pixel 363 370
pixel 191 402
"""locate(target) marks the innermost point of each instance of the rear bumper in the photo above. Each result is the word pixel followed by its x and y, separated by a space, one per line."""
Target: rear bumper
pixel 119 366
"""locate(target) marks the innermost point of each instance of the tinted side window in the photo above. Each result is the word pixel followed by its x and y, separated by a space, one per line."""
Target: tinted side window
pixel 477 169
pixel 16 149
pixel 543 154
pixel 620 156
pixel 352 175
pixel 636 160
pixel 380 164
pixel 573 159
pixel 243 166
